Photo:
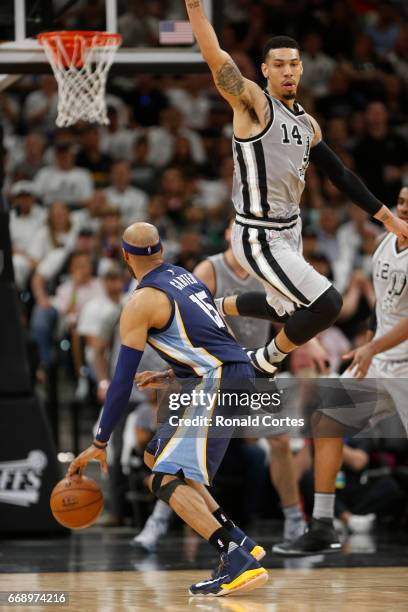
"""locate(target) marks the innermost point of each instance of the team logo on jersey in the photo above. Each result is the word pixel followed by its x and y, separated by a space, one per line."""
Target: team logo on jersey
pixel 171 272
pixel 395 288
pixel 20 481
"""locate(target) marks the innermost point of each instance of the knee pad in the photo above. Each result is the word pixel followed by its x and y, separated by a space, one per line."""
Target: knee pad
pixel 328 305
pixel 164 492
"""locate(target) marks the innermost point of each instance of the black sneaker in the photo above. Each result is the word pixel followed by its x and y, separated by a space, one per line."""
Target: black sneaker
pixel 320 537
pixel 260 361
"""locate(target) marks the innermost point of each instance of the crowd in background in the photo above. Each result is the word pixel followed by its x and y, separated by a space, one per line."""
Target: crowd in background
pixel 166 158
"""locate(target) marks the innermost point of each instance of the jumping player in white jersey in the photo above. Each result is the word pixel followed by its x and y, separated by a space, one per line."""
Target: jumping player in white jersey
pixel 274 139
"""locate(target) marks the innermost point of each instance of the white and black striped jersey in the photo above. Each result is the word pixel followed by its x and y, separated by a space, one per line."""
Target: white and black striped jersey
pixel 390 284
pixel 269 169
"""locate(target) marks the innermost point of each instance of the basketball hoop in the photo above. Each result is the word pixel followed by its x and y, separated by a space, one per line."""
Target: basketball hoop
pixel 81 62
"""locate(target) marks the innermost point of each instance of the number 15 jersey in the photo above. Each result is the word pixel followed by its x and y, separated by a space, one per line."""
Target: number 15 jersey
pixel 195 340
pixel 269 169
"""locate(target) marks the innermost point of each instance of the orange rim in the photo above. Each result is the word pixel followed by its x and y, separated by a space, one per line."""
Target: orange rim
pixel 90 39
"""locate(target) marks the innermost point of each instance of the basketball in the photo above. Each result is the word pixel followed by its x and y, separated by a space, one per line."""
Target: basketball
pixel 76 502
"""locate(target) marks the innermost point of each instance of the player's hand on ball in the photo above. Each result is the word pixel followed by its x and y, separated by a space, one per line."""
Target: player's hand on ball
pixel 80 462
pixel 362 358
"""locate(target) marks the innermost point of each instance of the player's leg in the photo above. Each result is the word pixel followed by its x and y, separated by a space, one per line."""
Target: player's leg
pixel 293 287
pixel 283 477
pixel 158 522
pixel 238 570
pixel 239 536
pixel 194 455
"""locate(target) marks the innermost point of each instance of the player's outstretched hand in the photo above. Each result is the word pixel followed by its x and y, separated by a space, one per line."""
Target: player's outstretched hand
pixel 362 358
pixel 397 226
pixel 319 356
pixel 154 380
pixel 80 462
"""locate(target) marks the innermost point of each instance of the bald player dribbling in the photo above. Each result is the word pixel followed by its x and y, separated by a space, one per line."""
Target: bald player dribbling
pixel 174 312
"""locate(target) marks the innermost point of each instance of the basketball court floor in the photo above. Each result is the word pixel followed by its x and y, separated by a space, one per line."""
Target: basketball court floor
pixel 101 572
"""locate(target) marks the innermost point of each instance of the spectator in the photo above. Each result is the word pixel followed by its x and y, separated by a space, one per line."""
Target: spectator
pixel 317 66
pixel 97 312
pixel 190 97
pixel 329 222
pixel 91 157
pixel 109 237
pixel 66 306
pixel 31 159
pixel 40 106
pixel 130 201
pixel 57 232
pixel 63 180
pixel 162 139
pixel 398 56
pixel 26 219
pixel 381 154
pixel 144 173
pixel 117 141
pixel 385 30
pixel 89 217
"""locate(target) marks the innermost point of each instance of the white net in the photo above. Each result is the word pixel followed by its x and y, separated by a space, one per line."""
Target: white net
pixel 81 65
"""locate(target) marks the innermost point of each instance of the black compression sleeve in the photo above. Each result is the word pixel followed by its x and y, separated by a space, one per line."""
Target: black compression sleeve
pixel 372 321
pixel 254 304
pixel 344 179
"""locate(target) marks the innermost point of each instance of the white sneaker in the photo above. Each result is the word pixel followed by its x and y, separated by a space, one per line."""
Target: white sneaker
pixel 361 523
pixel 150 534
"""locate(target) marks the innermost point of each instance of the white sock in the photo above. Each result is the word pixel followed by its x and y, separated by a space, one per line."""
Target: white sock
pixel 323 505
pixel 275 355
pixel 161 511
pixel 292 513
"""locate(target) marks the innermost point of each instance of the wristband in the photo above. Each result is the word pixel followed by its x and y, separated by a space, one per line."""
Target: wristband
pixel 100 445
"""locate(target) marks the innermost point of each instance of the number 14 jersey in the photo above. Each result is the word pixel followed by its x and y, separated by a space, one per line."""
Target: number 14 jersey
pixel 269 169
pixel 195 340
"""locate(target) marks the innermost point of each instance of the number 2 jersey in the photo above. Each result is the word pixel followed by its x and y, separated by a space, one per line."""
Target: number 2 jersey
pixel 196 340
pixel 390 272
pixel 269 169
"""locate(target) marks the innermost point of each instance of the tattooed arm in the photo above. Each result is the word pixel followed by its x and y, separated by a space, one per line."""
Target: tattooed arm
pixel 228 79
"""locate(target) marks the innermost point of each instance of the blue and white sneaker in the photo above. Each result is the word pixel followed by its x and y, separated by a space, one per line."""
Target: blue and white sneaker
pixel 248 544
pixel 238 572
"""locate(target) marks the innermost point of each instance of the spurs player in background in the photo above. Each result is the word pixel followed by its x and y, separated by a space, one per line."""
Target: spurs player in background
pixel 274 139
pixel 384 357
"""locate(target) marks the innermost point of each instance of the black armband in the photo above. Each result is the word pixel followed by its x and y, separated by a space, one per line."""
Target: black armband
pixel 254 304
pixel 344 179
pixel 372 321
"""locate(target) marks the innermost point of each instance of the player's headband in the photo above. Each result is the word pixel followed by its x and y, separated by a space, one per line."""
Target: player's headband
pixel 146 251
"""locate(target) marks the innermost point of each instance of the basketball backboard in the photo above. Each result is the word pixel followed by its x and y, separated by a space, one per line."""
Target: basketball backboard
pixel 139 21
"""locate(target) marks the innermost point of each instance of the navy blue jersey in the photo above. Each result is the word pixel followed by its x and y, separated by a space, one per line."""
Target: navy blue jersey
pixel 196 340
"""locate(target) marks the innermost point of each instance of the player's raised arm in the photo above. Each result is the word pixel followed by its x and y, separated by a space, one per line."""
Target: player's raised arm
pixel 349 183
pixel 227 77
